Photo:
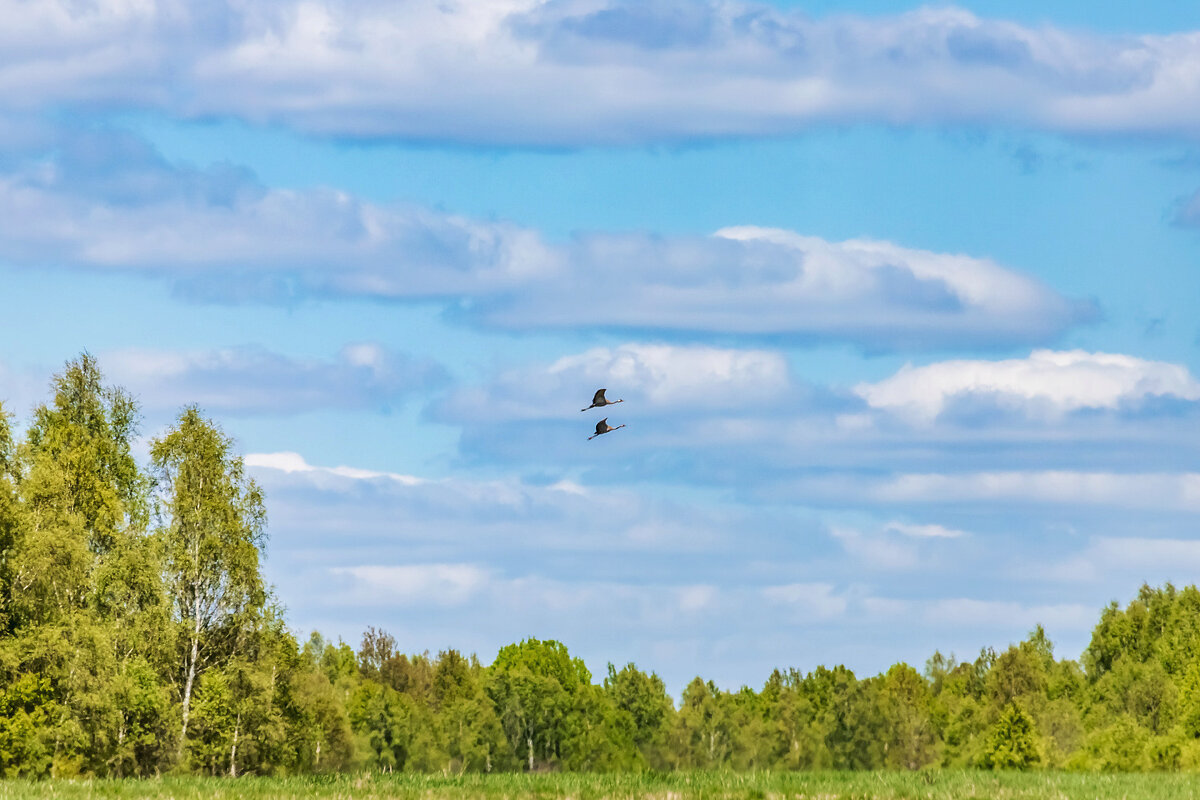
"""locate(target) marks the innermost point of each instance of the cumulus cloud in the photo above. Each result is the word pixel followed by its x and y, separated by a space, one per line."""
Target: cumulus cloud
pixel 761 281
pixel 1046 384
pixel 481 72
pixel 253 380
pixel 106 201
pixel 1166 491
pixel 745 419
pixel 653 377
pixel 222 236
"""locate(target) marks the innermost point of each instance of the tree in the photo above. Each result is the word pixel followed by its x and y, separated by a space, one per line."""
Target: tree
pixel 381 717
pixel 906 705
pixel 644 698
pixel 1013 741
pixel 212 525
pixel 8 520
pixel 319 731
pixel 534 686
pixel 79 570
pixel 81 489
pixel 704 729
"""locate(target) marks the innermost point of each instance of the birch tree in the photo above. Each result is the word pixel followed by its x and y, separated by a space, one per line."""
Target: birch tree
pixel 212 523
pixel 8 521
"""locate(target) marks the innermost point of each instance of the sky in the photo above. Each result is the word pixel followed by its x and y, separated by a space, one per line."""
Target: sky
pixel 900 299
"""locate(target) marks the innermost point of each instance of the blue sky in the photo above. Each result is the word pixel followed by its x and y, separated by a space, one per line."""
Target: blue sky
pixel 900 298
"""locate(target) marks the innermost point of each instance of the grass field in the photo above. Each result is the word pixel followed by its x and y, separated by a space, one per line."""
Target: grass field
pixel 948 785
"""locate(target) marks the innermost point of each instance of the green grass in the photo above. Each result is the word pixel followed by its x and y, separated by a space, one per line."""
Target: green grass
pixel 944 785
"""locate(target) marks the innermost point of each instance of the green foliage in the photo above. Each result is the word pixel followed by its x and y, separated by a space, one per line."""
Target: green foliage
pixel 9 521
pixel 212 526
pixel 80 491
pixel 26 708
pixel 127 650
pixel 906 701
pixel 535 687
pixel 381 716
pixel 643 699
pixel 1012 743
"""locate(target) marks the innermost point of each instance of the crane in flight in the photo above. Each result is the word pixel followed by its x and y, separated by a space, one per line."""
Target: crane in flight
pixel 600 400
pixel 603 427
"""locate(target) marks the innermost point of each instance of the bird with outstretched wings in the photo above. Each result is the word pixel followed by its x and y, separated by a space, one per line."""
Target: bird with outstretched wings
pixel 603 427
pixel 600 400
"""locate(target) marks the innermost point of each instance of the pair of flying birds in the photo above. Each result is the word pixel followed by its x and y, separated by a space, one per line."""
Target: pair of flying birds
pixel 602 426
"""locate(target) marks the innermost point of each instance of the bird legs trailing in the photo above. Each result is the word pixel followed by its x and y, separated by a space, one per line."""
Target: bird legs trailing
pixel 603 427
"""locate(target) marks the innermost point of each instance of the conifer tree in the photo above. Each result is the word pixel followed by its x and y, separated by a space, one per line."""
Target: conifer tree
pixel 1013 741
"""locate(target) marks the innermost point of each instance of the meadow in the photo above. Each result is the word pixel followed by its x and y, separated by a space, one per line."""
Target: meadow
pixel 827 785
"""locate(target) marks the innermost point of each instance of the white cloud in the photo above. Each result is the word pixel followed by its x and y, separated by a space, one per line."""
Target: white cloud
pixel 1165 491
pixel 1046 384
pixel 975 614
pixel 1005 614
pixel 875 551
pixel 744 418
pixel 252 380
pixel 418 584
pixel 482 72
pixel 696 598
pixel 1108 559
pixel 295 463
pixel 478 563
pixel 667 375
pixel 807 601
pixel 107 201
pixel 762 281
pixel 924 531
pixel 443 515
pixel 658 377
pixel 880 549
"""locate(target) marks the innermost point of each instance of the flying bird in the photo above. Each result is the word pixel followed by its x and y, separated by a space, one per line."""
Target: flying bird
pixel 601 400
pixel 603 427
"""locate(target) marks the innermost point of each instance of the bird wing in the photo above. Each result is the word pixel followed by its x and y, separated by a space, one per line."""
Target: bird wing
pixel 598 400
pixel 602 426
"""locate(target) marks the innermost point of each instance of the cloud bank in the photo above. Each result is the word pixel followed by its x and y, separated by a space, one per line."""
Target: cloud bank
pixel 618 71
pixel 638 577
pixel 106 201
pixel 744 418
pixel 253 380
pixel 1046 384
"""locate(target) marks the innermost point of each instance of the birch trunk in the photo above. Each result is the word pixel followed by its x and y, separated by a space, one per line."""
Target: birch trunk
pixel 233 750
pixel 187 687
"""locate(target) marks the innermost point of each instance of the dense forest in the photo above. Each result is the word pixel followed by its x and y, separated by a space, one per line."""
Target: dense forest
pixel 137 637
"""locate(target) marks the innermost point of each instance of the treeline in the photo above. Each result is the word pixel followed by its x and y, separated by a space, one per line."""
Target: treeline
pixel 137 637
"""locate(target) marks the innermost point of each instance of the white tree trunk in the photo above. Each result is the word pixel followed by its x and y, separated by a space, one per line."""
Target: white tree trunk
pixel 233 750
pixel 187 687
